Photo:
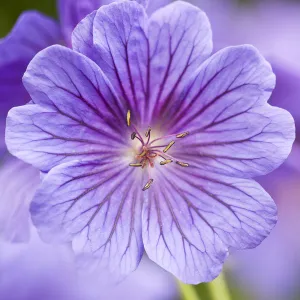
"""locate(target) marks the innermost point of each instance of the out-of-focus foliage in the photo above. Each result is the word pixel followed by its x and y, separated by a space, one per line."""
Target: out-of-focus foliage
pixel 11 9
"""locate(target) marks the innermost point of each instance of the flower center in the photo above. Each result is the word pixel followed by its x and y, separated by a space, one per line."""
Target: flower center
pixel 149 151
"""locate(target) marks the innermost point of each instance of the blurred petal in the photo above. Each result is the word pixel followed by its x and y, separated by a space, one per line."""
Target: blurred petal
pixel 95 205
pixel 192 218
pixel 32 32
pixel 18 182
pixel 233 129
pixel 55 130
pixel 71 12
pixel 44 272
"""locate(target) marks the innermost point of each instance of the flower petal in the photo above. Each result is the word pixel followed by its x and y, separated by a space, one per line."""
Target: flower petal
pixel 32 32
pixel 75 113
pixel 121 46
pixel 191 218
pixel 180 39
pixel 18 182
pixel 233 130
pixel 96 206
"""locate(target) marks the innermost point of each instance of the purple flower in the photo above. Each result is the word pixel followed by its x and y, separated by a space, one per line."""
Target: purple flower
pixel 150 142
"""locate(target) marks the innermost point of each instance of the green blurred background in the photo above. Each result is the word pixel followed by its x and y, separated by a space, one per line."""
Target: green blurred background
pixel 11 9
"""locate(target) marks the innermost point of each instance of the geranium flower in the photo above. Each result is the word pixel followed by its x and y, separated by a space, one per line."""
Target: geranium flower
pixel 149 141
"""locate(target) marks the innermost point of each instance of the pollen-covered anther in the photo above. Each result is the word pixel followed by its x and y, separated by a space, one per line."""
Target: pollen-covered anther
pixel 133 135
pixel 164 162
pixel 169 146
pixel 148 184
pixel 136 165
pixel 182 164
pixel 182 135
pixel 128 118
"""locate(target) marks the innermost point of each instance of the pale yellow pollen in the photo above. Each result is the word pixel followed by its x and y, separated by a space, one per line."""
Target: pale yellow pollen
pixel 128 117
pixel 182 164
pixel 169 146
pixel 136 165
pixel 148 184
pixel 164 162
pixel 182 135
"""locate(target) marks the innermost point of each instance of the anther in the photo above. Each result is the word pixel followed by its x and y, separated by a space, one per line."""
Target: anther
pixel 169 146
pixel 164 162
pixel 133 135
pixel 148 184
pixel 148 132
pixel 182 164
pixel 182 135
pixel 128 118
pixel 136 165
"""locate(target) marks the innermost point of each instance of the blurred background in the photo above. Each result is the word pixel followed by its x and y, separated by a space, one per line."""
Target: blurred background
pixel 272 271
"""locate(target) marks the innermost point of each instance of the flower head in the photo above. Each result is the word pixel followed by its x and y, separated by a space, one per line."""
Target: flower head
pixel 149 141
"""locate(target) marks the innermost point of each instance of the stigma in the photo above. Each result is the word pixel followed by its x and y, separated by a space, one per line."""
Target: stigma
pixel 150 152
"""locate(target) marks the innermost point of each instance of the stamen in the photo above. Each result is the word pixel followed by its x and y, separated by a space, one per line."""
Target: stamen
pixel 169 146
pixel 148 132
pixel 143 153
pixel 148 184
pixel 128 118
pixel 182 135
pixel 136 165
pixel 167 161
pixel 182 164
pixel 133 135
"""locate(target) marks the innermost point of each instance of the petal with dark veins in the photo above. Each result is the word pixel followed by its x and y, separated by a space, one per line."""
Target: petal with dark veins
pixel 53 130
pixel 191 219
pixel 96 206
pixel 233 130
pixel 180 39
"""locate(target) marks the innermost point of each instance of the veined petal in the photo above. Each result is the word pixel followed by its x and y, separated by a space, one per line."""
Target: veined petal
pixel 233 130
pixel 121 45
pixel 191 218
pixel 32 33
pixel 75 113
pixel 18 182
pixel 95 205
pixel 180 39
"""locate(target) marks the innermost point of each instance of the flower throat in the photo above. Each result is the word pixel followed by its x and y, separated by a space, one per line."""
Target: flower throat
pixel 149 151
